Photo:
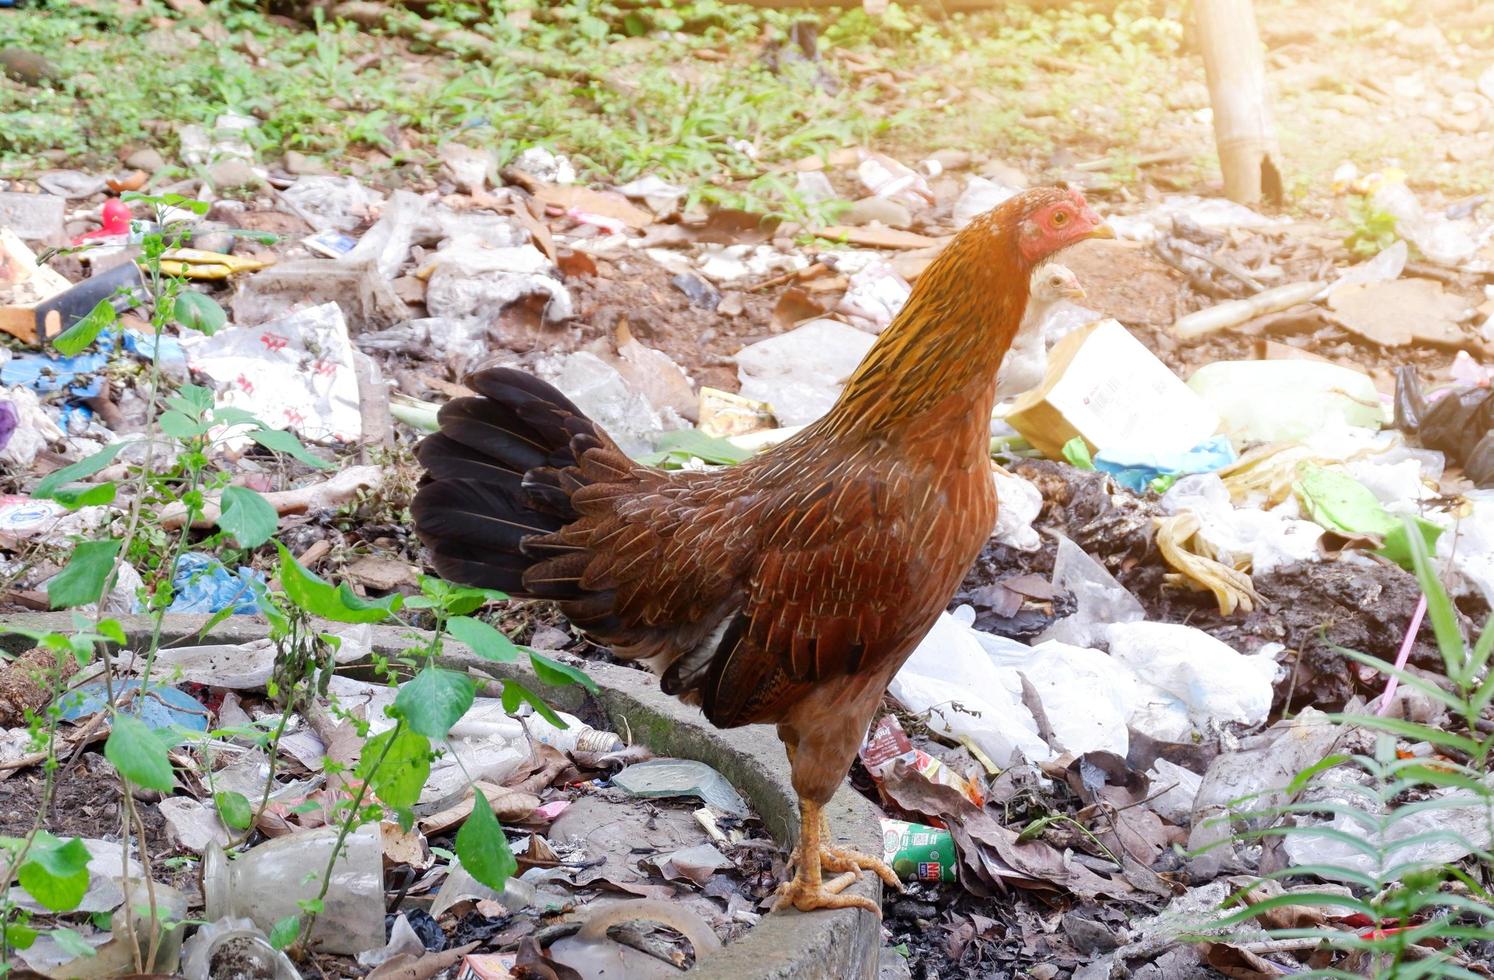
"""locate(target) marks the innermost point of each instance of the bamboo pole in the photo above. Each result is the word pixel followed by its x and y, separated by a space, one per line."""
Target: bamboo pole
pixel 1244 130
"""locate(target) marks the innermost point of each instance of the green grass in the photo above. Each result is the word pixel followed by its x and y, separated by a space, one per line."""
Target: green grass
pixel 620 91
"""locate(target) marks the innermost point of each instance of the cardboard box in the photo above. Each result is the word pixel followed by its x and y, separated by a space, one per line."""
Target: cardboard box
pixel 1103 385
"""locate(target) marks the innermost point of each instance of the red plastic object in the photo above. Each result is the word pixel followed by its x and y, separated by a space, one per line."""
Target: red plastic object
pixel 115 219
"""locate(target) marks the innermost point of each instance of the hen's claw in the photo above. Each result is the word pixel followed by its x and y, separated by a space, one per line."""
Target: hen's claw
pixel 806 891
pixel 806 896
pixel 833 858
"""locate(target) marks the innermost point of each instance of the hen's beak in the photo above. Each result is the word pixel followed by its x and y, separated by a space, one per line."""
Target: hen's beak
pixel 1101 230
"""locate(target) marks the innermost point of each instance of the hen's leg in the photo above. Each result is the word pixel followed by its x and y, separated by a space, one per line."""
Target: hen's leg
pixel 833 857
pixel 806 891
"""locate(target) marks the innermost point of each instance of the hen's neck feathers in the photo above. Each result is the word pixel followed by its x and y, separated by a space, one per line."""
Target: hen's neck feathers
pixel 943 350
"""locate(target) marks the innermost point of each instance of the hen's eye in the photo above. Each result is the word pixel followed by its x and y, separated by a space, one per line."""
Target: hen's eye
pixel 1060 218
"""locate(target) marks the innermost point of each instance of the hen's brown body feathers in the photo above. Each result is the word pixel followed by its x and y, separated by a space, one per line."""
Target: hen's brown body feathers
pixel 787 589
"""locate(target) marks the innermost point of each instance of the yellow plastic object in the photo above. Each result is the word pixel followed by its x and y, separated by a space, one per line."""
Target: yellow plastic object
pixel 1232 588
pixel 195 263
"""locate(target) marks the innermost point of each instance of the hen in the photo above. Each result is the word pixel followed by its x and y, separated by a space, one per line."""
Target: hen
pixel 1027 360
pixel 787 589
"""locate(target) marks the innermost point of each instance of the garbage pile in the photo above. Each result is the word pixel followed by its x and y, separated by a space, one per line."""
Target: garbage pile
pixel 596 824
pixel 1180 551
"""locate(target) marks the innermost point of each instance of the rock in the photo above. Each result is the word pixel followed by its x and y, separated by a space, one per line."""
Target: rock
pixel 1088 936
pixel 1427 39
pixel 880 209
pixel 28 67
pixel 33 217
pixel 228 174
pixel 1004 173
pixel 300 164
pixel 951 159
pixel 146 159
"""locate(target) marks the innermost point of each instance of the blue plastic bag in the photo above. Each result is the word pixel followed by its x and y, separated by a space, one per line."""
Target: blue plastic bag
pixel 203 584
pixel 1137 471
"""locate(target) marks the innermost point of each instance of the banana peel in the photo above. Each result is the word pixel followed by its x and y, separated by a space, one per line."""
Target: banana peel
pixel 196 263
pixel 1199 568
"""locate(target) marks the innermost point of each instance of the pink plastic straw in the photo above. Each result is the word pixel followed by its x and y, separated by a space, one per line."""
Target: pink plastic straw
pixel 1404 655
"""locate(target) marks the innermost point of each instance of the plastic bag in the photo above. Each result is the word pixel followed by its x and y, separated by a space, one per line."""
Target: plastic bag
pixel 963 693
pixel 1102 600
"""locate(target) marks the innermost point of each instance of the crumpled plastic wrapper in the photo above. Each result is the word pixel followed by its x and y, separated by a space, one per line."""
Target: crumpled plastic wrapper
pixel 293 373
pixel 31 427
pixel 467 277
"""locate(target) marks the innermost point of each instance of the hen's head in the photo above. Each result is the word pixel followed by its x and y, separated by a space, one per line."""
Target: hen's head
pixel 1053 282
pixel 1041 221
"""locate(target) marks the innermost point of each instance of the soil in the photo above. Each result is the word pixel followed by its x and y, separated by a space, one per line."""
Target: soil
pixel 85 802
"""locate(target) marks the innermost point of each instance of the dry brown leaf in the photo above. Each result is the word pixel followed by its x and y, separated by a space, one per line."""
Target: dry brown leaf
pixel 794 306
pixel 990 855
pixel 404 846
pixel 729 226
pixel 539 232
pixel 572 264
pixel 509 805
pixel 873 236
pixel 844 157
pixel 407 967
pixel 570 197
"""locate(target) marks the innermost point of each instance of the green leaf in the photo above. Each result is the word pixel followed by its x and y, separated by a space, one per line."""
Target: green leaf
pixel 310 592
pixel 97 495
pixel 55 873
pixel 77 471
pixel 111 630
pixel 78 336
pixel 684 443
pixel 484 640
pixel 73 942
pixel 1341 503
pixel 285 931
pixel 280 441
pixel 234 808
pixel 555 673
pixel 16 935
pixel 198 312
pixel 406 763
pixel 435 700
pixel 1398 540
pixel 192 400
pixel 247 516
pixel 138 755
pixel 82 581
pixel 179 425
pixel 233 415
pixel 460 602
pixel 1076 451
pixel 516 694
pixel 482 847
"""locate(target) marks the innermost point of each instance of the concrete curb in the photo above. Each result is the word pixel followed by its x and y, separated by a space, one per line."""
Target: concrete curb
pixel 784 946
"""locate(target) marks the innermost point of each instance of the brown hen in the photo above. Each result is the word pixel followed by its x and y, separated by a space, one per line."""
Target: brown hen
pixel 787 589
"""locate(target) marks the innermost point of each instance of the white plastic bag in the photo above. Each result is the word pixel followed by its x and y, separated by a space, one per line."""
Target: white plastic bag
pixel 952 681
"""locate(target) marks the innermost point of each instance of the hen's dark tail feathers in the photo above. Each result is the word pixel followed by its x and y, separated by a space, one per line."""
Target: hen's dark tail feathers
pixel 502 470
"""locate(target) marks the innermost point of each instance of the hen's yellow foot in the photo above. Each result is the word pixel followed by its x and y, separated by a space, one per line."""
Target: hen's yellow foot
pixel 810 894
pixel 833 858
pixel 806 891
